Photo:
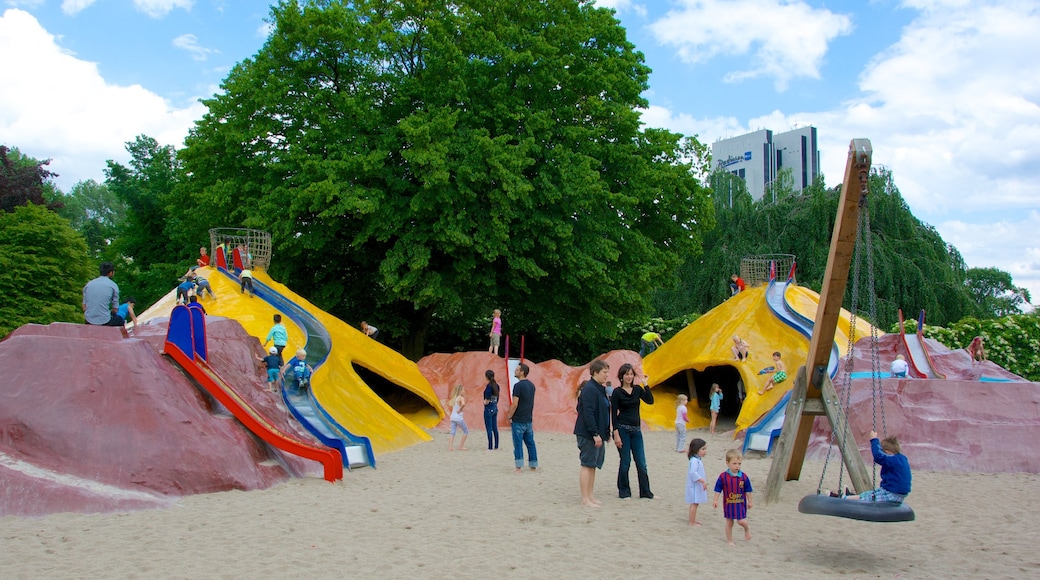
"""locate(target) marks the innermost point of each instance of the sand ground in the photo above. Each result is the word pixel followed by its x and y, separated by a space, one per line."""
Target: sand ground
pixel 428 513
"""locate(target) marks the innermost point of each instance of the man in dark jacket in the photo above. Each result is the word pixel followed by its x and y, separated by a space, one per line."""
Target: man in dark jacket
pixel 592 428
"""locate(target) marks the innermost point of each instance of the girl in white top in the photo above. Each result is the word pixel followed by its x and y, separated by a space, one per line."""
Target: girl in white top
pixel 681 419
pixel 696 484
pixel 458 402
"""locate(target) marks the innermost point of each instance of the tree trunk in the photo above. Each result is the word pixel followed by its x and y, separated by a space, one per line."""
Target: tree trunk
pixel 413 345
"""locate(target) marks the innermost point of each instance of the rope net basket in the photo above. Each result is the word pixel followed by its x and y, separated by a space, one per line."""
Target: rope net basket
pixel 755 269
pixel 255 244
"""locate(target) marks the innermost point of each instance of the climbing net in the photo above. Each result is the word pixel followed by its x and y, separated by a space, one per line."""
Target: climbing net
pixel 255 243
pixel 755 269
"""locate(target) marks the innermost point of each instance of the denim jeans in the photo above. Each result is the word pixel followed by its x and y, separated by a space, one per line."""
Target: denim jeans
pixel 632 447
pixel 491 424
pixel 524 433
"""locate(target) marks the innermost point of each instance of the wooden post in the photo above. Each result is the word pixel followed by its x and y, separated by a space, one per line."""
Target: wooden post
pixel 808 398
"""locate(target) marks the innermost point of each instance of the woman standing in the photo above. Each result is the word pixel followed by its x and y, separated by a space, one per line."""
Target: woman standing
pixel 491 409
pixel 624 409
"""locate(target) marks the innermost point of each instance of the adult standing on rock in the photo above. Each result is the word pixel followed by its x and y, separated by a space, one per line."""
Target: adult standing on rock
pixel 101 298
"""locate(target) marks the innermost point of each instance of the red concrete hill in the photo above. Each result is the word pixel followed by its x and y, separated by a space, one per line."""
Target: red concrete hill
pixel 93 422
pixel 557 386
pixel 959 423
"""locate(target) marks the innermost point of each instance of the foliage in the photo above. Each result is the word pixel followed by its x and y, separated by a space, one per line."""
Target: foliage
pixel 994 293
pixel 913 267
pixel 418 162
pixel 43 267
pixel 149 242
pixel 23 180
pixel 145 187
pixel 95 212
pixel 1011 342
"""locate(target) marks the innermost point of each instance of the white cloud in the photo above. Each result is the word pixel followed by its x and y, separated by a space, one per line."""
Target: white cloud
pixel 190 43
pixel 953 109
pixel 623 6
pixel 703 29
pixel 160 8
pixel 73 7
pixel 72 115
pixel 1010 245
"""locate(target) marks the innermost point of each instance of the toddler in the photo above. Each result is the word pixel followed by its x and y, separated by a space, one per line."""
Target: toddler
pixel 681 419
pixel 734 487
pixel 696 484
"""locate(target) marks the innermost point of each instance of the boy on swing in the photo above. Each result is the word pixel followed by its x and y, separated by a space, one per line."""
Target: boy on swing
pixel 895 472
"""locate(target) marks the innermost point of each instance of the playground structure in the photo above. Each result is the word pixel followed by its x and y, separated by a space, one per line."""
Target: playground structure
pixel 362 392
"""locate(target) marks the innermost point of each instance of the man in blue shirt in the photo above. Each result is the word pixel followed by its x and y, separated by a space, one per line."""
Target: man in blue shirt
pixel 101 298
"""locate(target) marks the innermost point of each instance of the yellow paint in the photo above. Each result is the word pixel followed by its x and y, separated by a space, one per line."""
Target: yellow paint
pixel 338 388
pixel 706 343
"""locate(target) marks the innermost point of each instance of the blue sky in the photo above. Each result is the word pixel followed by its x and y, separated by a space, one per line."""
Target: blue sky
pixel 948 91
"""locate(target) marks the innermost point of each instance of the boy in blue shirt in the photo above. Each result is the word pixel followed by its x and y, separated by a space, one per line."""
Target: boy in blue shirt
pixel 273 360
pixel 301 371
pixel 895 471
pixel 278 334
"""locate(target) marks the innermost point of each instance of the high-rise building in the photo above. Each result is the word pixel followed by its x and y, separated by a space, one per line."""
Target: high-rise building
pixel 758 157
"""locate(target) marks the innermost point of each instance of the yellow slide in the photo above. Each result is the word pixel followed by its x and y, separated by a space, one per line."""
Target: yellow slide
pixel 705 344
pixel 366 387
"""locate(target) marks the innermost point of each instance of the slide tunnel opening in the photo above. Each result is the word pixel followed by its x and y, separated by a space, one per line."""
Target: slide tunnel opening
pixel 696 384
pixel 400 399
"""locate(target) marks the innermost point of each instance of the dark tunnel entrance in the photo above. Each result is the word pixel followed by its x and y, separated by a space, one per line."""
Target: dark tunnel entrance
pixel 726 376
pixel 400 399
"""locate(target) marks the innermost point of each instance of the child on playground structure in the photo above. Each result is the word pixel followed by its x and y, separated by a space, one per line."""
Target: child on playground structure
pixel 681 419
pixel 734 487
pixel 458 421
pixel 716 403
pixel 496 331
pixel 895 471
pixel 899 367
pixel 273 360
pixel 245 277
pixel 976 350
pixel 278 336
pixel 779 376
pixel 696 484
pixel 740 348
pixel 301 371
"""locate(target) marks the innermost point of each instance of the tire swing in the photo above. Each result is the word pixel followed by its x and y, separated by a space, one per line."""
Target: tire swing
pixel 825 505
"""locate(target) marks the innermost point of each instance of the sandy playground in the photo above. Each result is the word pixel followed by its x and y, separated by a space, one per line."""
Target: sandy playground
pixel 428 513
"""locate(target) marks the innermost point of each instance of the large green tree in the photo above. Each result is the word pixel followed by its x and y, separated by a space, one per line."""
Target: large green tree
pixel 145 188
pixel 419 161
pixel 95 212
pixel 994 292
pixel 43 267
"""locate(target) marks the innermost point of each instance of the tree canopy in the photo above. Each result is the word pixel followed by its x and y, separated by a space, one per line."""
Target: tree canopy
pixel 914 268
pixel 994 293
pixel 421 161
pixel 43 267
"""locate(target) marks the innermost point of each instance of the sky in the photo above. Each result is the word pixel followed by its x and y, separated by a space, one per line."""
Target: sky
pixel 947 91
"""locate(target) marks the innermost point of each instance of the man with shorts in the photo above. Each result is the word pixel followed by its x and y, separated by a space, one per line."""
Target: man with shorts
pixel 592 428
pixel 521 418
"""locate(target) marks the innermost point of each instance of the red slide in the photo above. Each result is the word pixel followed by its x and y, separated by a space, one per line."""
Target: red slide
pixel 219 390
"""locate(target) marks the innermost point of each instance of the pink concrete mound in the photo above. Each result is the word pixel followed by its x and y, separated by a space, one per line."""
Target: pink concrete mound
pixel 959 423
pixel 557 385
pixel 93 422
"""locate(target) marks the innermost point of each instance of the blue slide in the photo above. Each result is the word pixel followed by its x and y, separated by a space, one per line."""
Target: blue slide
pixel 355 449
pixel 762 433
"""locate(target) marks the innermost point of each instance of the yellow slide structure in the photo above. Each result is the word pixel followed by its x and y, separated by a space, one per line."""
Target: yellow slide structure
pixel 363 385
pixel 701 353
